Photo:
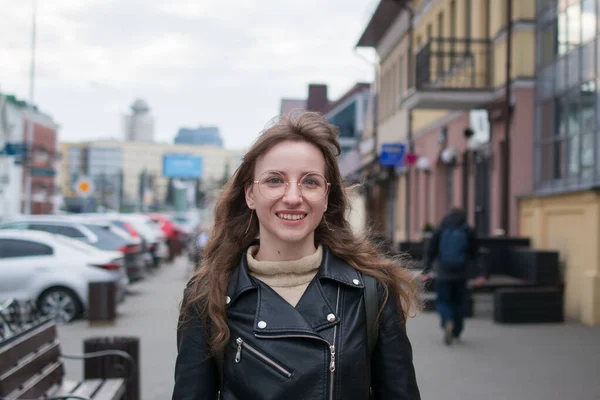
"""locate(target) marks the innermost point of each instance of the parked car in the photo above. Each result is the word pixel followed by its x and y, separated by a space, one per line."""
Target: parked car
pixel 116 220
pixel 151 233
pixel 103 236
pixel 188 222
pixel 55 271
pixel 176 238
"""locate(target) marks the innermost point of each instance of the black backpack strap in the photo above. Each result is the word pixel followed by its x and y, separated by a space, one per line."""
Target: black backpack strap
pixel 371 311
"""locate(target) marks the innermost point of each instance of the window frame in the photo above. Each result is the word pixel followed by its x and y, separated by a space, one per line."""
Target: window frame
pixel 21 241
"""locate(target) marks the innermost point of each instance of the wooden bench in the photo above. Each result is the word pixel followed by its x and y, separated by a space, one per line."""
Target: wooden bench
pixel 31 368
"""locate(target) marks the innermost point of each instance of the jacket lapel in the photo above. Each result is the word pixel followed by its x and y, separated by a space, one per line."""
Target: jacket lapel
pixel 316 309
pixel 275 315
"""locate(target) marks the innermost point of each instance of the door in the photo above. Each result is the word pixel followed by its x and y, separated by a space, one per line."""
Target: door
pixel 482 194
pixel 20 262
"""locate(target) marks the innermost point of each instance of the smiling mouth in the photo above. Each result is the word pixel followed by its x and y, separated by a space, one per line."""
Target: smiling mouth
pixel 291 217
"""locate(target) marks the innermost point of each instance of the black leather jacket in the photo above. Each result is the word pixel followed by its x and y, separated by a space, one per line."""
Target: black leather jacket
pixel 317 350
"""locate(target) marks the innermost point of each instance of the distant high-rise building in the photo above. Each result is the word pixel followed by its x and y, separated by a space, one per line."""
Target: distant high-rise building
pixel 201 136
pixel 139 126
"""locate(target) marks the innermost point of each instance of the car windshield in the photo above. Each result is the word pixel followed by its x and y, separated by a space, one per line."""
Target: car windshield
pixel 108 238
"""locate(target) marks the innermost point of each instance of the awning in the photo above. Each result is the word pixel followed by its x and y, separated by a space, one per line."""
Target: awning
pixel 384 16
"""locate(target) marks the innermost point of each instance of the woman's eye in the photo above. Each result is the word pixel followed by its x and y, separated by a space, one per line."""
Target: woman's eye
pixel 274 181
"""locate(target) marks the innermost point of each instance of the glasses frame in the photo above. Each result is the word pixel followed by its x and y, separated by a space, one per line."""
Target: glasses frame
pixel 287 185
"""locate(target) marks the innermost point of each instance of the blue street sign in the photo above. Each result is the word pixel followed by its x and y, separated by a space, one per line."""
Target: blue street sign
pixel 392 154
pixel 15 149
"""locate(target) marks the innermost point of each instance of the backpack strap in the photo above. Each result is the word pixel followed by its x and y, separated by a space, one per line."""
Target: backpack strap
pixel 371 311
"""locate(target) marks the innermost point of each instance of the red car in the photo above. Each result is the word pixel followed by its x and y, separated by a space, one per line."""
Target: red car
pixel 176 238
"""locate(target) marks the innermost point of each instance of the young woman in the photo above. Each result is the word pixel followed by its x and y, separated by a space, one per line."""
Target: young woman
pixel 277 307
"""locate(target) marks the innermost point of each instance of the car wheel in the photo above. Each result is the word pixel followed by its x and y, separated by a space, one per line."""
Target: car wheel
pixel 60 303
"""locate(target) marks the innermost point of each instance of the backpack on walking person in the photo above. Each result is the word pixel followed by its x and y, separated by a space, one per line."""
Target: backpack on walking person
pixel 453 247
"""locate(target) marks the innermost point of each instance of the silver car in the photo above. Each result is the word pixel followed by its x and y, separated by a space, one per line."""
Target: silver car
pixel 55 271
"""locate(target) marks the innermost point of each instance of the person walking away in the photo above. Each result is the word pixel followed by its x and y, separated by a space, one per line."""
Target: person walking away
pixel 452 250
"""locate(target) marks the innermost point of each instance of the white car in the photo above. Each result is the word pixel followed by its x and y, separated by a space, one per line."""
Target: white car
pixel 151 233
pixel 55 271
pixel 154 239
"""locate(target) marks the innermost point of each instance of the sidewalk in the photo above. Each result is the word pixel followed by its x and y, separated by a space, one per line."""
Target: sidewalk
pixel 496 362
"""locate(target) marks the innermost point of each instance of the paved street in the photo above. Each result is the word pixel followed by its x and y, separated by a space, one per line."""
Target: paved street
pixel 529 362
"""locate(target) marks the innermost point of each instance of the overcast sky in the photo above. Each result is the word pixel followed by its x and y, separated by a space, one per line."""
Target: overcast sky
pixel 212 62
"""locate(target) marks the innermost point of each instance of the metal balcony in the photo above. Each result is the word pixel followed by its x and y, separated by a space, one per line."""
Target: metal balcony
pixel 452 73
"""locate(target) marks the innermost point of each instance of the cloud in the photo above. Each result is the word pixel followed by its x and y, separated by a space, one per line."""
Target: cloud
pixel 226 62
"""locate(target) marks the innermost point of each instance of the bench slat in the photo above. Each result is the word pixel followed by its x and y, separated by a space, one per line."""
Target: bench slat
pixel 25 343
pixel 112 389
pixel 28 367
pixel 63 389
pixel 39 384
pixel 87 388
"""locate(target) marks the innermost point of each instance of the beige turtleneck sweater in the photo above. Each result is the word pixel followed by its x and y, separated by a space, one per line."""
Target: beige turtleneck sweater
pixel 288 278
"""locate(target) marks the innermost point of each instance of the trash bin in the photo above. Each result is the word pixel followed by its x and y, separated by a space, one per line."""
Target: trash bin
pixel 113 366
pixel 102 303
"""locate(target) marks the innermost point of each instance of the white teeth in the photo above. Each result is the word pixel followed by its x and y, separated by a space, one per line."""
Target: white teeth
pixel 291 217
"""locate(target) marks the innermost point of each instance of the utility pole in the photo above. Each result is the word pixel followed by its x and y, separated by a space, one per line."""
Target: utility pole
pixel 506 198
pixel 30 122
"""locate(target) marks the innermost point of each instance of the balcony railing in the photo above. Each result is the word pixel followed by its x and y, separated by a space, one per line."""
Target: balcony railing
pixel 454 64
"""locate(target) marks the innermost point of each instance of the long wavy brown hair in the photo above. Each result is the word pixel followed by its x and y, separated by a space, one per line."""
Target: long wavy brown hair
pixel 206 292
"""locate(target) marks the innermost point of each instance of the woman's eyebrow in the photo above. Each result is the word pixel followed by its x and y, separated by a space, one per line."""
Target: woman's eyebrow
pixel 303 173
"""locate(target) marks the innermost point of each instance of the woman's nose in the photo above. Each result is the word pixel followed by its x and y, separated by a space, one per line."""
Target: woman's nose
pixel 292 195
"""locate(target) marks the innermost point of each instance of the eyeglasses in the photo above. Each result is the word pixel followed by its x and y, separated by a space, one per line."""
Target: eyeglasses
pixel 313 186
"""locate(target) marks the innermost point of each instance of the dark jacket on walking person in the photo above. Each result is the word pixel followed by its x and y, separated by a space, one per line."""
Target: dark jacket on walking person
pixel 455 220
pixel 453 250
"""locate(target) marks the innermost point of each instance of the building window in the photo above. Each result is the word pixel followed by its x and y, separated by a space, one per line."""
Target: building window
pixel 568 117
pixel 440 61
pixel 543 5
pixel 567 138
pixel 588 20
pixel 345 120
pixel 548 44
pixel 453 19
pixel 467 18
pixel 574 24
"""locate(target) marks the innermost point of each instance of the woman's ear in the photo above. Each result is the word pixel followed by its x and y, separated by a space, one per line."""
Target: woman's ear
pixel 249 191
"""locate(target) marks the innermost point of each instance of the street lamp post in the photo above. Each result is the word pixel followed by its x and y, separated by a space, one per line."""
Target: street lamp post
pixel 31 111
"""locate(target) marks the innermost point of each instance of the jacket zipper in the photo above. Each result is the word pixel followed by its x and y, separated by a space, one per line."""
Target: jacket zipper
pixel 331 346
pixel 238 356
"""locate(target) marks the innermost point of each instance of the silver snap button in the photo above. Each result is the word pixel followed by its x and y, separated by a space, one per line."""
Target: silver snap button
pixel 331 318
pixel 262 324
pixel 355 281
pixel 228 300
